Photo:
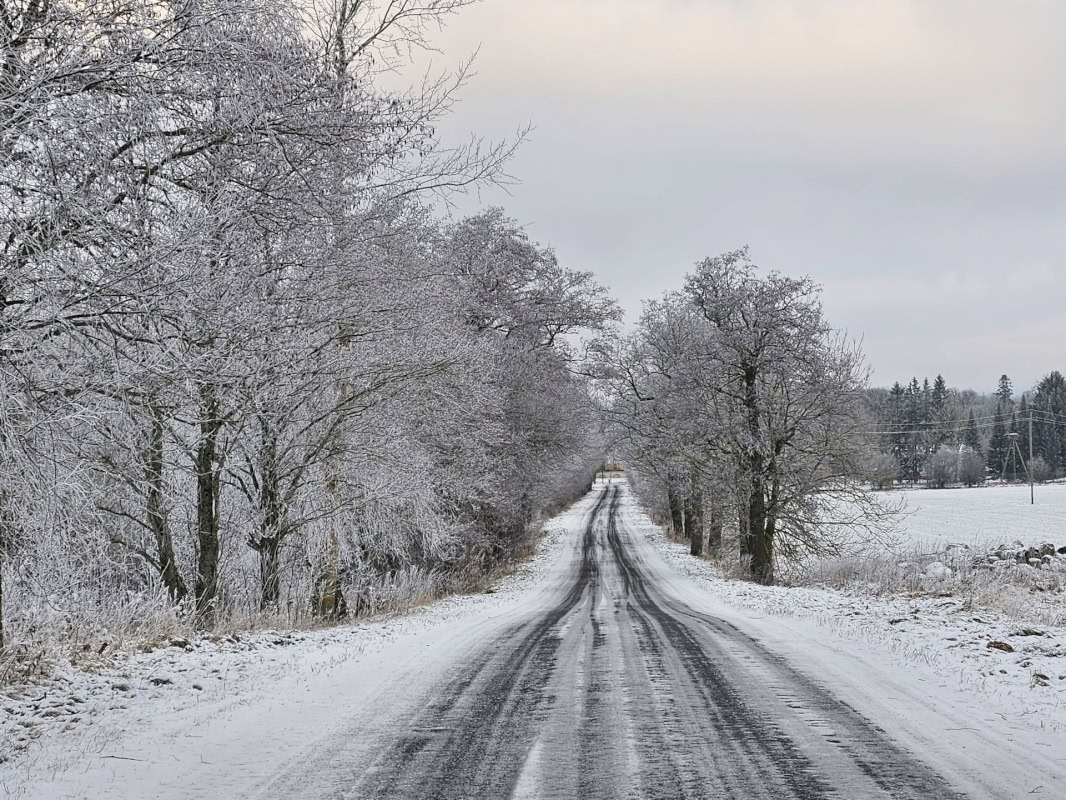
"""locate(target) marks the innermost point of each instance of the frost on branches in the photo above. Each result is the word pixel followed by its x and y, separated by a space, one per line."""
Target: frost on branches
pixel 244 370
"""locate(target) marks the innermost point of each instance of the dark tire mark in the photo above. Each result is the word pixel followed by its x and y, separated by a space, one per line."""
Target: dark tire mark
pixel 482 731
pixel 709 711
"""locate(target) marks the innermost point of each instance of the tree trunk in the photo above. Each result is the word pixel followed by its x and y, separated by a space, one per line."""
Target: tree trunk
pixel 207 491
pixel 269 545
pixel 760 537
pixel 270 572
pixel 2 639
pixel 677 510
pixel 157 516
pixel 762 556
pixel 743 531
pixel 714 529
pixel 694 519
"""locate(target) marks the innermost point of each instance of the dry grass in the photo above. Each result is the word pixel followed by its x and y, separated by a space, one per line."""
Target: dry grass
pixel 87 629
pixel 1024 595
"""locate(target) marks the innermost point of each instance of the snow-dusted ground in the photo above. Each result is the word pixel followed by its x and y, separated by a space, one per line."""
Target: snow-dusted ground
pixel 241 718
pixel 943 633
pixel 987 515
pixel 188 717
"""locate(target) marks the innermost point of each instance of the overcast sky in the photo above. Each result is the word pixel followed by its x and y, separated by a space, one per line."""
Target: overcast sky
pixel 909 156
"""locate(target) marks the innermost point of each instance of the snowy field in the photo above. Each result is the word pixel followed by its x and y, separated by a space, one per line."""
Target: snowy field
pixel 983 516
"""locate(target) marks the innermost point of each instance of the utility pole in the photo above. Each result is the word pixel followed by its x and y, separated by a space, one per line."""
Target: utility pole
pixel 1029 466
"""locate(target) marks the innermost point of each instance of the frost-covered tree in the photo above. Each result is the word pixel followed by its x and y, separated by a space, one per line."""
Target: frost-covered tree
pixel 759 395
pixel 232 329
pixel 971 468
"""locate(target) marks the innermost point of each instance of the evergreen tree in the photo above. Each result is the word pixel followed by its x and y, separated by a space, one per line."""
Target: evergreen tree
pixel 997 445
pixel 939 400
pixel 938 414
pixel 896 440
pixel 1023 427
pixel 916 426
pixel 973 436
pixel 1049 429
pixel 1005 393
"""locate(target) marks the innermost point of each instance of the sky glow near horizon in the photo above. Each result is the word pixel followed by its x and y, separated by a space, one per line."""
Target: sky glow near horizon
pixel 906 155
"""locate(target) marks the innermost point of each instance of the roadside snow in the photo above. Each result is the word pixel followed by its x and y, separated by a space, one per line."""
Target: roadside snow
pixel 986 652
pixel 95 707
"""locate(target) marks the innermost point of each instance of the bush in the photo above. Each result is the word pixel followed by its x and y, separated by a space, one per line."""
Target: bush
pixel 882 470
pixel 941 469
pixel 1040 470
pixel 971 468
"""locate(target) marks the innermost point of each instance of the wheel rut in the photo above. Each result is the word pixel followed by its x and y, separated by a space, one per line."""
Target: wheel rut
pixel 620 691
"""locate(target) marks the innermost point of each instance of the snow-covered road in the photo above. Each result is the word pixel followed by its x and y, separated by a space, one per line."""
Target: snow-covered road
pixel 611 675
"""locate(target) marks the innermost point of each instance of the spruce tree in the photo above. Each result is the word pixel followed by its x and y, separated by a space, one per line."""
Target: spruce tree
pixel 1049 431
pixel 938 413
pixel 1005 393
pixel 1023 427
pixel 973 436
pixel 916 427
pixel 997 445
pixel 896 439
pixel 940 396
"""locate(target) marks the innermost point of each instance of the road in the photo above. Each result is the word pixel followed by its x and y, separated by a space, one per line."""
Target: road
pixel 613 688
pixel 603 673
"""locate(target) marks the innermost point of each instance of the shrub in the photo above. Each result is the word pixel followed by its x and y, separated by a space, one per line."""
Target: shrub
pixel 882 470
pixel 971 468
pixel 1040 470
pixel 941 469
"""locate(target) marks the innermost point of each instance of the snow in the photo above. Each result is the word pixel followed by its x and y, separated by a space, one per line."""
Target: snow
pixel 938 569
pixel 942 633
pixel 928 669
pixel 188 720
pixel 983 516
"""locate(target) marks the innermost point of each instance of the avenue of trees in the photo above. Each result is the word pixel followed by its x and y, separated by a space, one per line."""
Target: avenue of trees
pixel 243 368
pixel 739 411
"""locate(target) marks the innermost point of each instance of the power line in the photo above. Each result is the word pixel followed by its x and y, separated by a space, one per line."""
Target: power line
pixel 962 427
pixel 949 429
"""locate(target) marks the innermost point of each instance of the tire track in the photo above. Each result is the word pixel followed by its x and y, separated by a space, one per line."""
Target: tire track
pixel 473 742
pixel 779 759
pixel 619 691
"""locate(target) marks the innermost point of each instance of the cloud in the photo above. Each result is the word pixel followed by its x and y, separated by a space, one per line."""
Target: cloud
pixel 905 153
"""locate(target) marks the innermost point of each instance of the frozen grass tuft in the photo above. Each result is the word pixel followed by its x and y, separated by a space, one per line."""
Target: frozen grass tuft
pixel 1022 594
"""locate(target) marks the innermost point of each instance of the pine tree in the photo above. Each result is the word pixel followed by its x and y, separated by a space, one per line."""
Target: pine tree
pixel 1005 393
pixel 997 445
pixel 973 436
pixel 1023 427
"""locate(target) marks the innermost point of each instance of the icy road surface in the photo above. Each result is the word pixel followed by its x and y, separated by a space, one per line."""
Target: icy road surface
pixel 612 676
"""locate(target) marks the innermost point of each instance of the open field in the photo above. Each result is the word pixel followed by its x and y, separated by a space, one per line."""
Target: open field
pixel 984 516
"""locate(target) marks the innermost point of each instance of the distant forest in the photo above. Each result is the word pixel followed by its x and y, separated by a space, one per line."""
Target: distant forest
pixel 924 430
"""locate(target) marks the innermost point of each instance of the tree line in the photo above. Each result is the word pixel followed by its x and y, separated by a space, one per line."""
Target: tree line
pixel 244 365
pixel 944 435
